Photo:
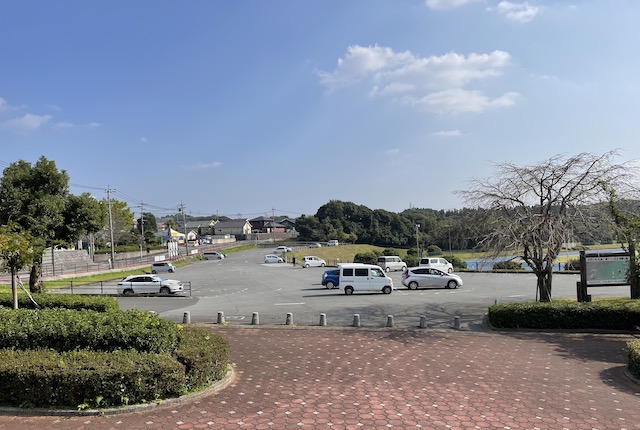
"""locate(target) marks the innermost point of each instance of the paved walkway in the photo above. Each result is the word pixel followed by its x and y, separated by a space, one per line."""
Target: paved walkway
pixel 337 379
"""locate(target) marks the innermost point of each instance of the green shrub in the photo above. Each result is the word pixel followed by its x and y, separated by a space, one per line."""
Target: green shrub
pixel 204 355
pixel 572 264
pixel 507 265
pixel 609 315
pixel 411 260
pixel 68 301
pixel 66 330
pixel 457 262
pixel 369 257
pixel 633 357
pixel 434 250
pixel 84 378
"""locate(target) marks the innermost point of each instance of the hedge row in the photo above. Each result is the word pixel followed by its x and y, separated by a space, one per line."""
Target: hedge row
pixel 608 315
pixel 633 356
pixel 67 330
pixel 67 301
pixel 81 379
pixel 204 355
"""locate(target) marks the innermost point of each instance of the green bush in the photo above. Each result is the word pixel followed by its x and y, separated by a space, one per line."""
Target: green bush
pixel 84 378
pixel 68 301
pixel 434 250
pixel 369 257
pixel 633 356
pixel 604 314
pixel 411 260
pixel 572 264
pixel 204 355
pixel 66 330
pixel 507 265
pixel 457 262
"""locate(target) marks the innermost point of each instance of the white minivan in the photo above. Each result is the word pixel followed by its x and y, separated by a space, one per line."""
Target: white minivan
pixel 364 277
pixel 162 266
pixel 391 262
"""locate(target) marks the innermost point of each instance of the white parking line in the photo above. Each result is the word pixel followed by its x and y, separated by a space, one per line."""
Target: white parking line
pixel 287 304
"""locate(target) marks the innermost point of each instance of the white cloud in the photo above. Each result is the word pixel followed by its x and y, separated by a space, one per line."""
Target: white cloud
pixel 144 139
pixel 457 101
pixel 447 133
pixel 93 124
pixel 64 124
pixel 392 151
pixel 205 166
pixel 516 12
pixel 446 4
pixel 27 122
pixel 419 80
pixel 3 105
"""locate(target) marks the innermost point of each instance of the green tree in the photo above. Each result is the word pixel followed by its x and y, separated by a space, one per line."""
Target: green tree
pixel 18 249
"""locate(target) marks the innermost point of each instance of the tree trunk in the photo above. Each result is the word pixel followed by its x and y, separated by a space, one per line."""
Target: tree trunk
pixel 14 288
pixel 544 284
pixel 35 285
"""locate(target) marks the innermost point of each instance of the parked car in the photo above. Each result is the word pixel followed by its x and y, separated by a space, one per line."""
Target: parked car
pixel 436 263
pixel 282 250
pixel 427 277
pixel 162 266
pixel 213 255
pixel 331 278
pixel 364 277
pixel 332 243
pixel 391 262
pixel 312 261
pixel 149 284
pixel 315 245
pixel 272 258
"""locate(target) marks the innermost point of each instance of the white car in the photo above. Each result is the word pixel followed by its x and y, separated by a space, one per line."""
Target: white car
pixel 212 255
pixel 312 261
pixel 282 250
pixel 149 284
pixel 436 263
pixel 272 258
pixel 427 277
pixel 333 242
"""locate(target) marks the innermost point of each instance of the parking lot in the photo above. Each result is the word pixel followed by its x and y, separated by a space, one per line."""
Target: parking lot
pixel 242 284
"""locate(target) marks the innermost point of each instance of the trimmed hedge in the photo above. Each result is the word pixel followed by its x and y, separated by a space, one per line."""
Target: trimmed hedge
pixel 67 330
pixel 67 301
pixel 204 355
pixel 82 379
pixel 604 314
pixel 633 355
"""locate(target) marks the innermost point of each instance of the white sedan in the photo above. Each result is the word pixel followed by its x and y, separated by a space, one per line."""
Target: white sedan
pixel 272 258
pixel 149 284
pixel 312 261
pixel 426 277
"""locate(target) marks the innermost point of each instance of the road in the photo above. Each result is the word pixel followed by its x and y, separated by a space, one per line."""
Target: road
pixel 242 284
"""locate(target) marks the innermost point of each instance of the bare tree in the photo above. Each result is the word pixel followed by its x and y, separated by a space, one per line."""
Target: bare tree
pixel 529 210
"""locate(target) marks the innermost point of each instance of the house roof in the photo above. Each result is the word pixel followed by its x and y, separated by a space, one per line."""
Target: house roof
pixel 232 223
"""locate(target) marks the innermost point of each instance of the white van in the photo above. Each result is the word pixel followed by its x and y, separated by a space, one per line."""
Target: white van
pixel 391 262
pixel 364 277
pixel 437 263
pixel 162 266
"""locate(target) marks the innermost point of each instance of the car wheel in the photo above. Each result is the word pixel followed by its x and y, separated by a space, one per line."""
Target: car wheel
pixel 450 270
pixel 387 269
pixel 386 290
pixel 330 285
pixel 413 285
pixel 170 270
pixel 322 265
pixel 306 266
pixel 452 285
pixel 153 271
pixel 165 290
pixel 404 268
pixel 348 290
pixel 128 292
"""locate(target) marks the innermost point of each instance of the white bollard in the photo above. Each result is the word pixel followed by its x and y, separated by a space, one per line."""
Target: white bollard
pixel 289 320
pixel 456 322
pixel 323 320
pixel 255 319
pixel 356 320
pixel 390 321
pixel 186 318
pixel 423 321
pixel 220 317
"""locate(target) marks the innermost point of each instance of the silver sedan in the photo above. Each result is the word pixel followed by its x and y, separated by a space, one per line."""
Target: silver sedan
pixel 425 277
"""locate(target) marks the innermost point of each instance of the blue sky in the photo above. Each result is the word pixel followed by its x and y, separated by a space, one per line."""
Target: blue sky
pixel 242 107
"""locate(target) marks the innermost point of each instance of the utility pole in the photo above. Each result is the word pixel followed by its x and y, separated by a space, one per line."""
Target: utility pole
pixel 113 253
pixel 141 228
pixel 418 242
pixel 184 225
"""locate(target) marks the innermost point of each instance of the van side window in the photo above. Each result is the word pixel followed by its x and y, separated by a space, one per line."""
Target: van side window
pixel 362 272
pixel 378 273
pixel 347 272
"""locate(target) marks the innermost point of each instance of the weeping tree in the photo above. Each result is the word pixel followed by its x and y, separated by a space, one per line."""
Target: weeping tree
pixel 18 249
pixel 529 211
